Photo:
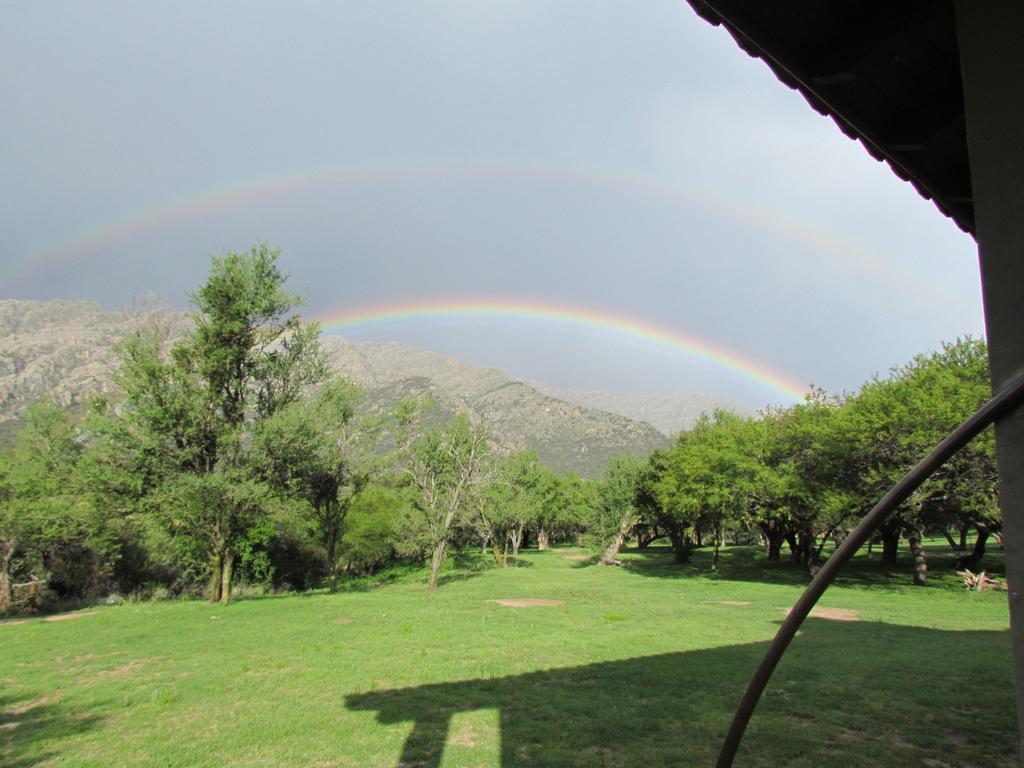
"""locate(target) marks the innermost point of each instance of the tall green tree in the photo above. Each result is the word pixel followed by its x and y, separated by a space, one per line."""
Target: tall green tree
pixel 711 476
pixel 184 429
pixel 513 501
pixel 616 512
pixel 892 423
pixel 445 466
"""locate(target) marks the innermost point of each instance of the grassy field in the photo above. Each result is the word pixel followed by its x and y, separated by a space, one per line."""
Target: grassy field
pixel 641 666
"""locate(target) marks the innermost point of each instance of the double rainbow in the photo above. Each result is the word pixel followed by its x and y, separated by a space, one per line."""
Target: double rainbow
pixel 747 368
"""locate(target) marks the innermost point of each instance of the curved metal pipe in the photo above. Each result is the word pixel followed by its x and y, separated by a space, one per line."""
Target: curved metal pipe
pixel 1001 403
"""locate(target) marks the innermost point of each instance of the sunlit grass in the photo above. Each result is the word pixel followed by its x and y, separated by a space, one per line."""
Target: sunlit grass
pixel 641 666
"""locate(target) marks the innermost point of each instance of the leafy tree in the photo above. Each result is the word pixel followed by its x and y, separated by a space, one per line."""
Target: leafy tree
pixel 654 506
pixel 444 465
pixel 891 423
pixel 48 529
pixel 555 501
pixel 212 514
pixel 511 502
pixel 184 429
pixel 615 513
pixel 711 477
pixel 520 478
pixel 372 532
pixel 319 452
pixel 806 455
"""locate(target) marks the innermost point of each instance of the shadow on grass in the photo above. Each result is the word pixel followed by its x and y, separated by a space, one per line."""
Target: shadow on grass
pixel 468 564
pixel 851 694
pixel 749 563
pixel 30 725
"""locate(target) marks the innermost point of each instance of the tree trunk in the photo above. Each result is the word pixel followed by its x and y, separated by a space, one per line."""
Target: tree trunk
pixel 920 558
pixel 963 538
pixel 805 545
pixel 436 560
pixel 227 562
pixel 680 545
pixel 698 537
pixel 524 538
pixel 978 552
pixel 6 553
pixel 890 545
pixel 719 538
pixel 516 535
pixel 543 541
pixel 645 537
pixel 332 557
pixel 612 550
pixel 821 546
pixel 949 538
pixel 215 578
pixel 794 549
pixel 774 535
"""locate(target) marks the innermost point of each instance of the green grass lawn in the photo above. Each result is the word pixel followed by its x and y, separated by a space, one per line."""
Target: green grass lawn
pixel 641 666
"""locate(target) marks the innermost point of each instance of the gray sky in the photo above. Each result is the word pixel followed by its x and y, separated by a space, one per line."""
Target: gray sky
pixel 618 156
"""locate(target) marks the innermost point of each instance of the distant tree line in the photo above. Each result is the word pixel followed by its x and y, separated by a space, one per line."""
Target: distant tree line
pixel 233 456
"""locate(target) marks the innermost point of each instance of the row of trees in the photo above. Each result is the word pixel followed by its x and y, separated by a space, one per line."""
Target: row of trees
pixel 808 473
pixel 232 454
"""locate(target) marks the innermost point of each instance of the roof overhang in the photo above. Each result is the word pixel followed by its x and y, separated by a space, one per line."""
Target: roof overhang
pixel 888 73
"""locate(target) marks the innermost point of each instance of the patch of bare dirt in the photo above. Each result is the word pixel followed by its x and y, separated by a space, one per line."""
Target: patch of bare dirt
pixel 122 671
pixel 342 621
pixel 526 602
pixel 834 614
pixel 67 616
pixel 728 602
pixel 12 622
pixel 577 558
pixel 125 670
pixel 92 657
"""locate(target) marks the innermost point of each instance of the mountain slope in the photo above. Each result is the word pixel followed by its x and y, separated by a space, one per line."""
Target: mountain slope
pixel 65 350
pixel 669 413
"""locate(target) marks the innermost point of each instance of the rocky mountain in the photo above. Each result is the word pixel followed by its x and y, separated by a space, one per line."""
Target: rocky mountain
pixel 65 350
pixel 669 413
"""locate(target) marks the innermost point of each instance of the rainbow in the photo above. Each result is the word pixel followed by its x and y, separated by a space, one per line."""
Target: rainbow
pixel 582 317
pixel 92 241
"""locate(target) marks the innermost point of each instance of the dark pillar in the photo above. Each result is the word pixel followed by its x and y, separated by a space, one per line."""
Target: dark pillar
pixel 992 63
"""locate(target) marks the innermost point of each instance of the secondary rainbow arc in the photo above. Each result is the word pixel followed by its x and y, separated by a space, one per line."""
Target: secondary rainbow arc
pixel 747 368
pixel 214 198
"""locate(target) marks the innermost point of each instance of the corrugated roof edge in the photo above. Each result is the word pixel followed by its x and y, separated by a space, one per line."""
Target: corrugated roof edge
pixel 819 105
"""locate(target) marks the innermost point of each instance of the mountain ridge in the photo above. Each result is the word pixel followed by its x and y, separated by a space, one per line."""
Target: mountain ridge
pixel 65 350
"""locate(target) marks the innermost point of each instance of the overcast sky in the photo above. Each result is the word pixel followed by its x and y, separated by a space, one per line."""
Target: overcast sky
pixel 618 156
